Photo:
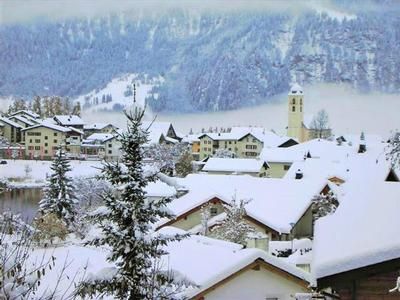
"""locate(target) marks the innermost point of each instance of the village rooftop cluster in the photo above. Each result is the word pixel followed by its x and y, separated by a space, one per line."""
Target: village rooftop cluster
pixel 351 252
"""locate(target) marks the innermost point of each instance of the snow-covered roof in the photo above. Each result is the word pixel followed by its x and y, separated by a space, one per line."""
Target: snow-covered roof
pixel 159 189
pixel 282 155
pixel 274 202
pixel 50 126
pixel 205 261
pixel 364 230
pixel 24 120
pixel 69 120
pixel 27 112
pixel 155 130
pixel 295 89
pixel 190 138
pixel 102 137
pixel 10 122
pixel 95 126
pixel 233 165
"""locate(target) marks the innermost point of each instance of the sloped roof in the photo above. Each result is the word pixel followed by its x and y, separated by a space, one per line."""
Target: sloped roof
pixel 204 261
pixel 10 122
pixel 69 120
pixel 155 130
pixel 233 165
pixel 28 112
pixel 275 202
pixel 364 230
pixel 94 126
pixel 102 137
pixel 50 126
pixel 296 89
pixel 24 120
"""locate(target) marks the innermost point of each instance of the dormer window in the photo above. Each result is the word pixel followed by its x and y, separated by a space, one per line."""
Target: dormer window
pixel 294 92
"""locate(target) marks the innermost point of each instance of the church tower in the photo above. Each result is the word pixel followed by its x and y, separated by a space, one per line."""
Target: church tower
pixel 295 127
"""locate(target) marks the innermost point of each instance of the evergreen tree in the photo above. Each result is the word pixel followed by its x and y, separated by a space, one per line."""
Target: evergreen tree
pixel 59 194
pixel 394 150
pixel 127 220
pixel 234 227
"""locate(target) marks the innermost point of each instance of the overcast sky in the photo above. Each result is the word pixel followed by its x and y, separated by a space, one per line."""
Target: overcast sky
pixel 20 11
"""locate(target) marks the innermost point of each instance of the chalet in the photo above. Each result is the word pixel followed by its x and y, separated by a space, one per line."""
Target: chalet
pixel 278 208
pixel 90 129
pixel 227 166
pixel 43 140
pixel 101 146
pixel 223 270
pixel 69 121
pixel 357 249
pixel 280 160
pixel 161 132
pixel 11 130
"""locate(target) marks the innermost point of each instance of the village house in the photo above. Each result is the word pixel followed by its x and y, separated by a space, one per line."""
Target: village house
pixel 278 208
pixel 43 140
pixel 90 129
pixel 161 132
pixel 69 121
pixel 243 142
pixel 297 127
pixel 357 249
pixel 239 166
pixel 11 130
pixel 101 146
pixel 224 270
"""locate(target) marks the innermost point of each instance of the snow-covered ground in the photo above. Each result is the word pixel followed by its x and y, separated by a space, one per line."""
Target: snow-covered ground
pixel 14 171
pixel 116 88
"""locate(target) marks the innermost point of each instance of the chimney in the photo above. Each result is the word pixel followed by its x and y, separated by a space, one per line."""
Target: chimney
pixel 259 242
pixel 362 147
pixel 299 174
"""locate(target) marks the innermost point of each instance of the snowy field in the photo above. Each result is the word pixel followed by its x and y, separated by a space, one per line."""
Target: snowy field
pixel 14 171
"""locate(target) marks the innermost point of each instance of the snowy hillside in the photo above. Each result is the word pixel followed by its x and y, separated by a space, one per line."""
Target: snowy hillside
pixel 119 93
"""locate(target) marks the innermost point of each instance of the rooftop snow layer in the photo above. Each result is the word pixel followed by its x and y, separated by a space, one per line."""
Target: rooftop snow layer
pixel 363 231
pixel 234 165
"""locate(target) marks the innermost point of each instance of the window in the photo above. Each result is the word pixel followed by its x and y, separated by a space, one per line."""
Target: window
pixel 46 137
pixel 213 211
pixel 286 167
pixel 55 133
pixel 109 151
pixel 110 145
pixel 301 109
pixel 230 142
pixel 293 101
pixel 45 151
pixel 254 140
pixel 293 108
pixel 301 101
pixel 45 144
pixel 55 141
pixel 30 147
pixel 30 140
pixel 37 147
pixel 37 141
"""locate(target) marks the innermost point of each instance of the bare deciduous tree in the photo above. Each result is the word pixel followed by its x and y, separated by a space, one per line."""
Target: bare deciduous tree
pixel 320 125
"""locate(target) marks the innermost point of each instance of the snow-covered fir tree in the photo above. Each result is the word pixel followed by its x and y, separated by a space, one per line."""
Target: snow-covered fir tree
pixel 234 227
pixel 59 193
pixel 324 204
pixel 127 220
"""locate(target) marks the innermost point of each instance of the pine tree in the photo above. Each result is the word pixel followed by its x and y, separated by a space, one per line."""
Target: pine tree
pixel 234 227
pixel 127 220
pixel 59 195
